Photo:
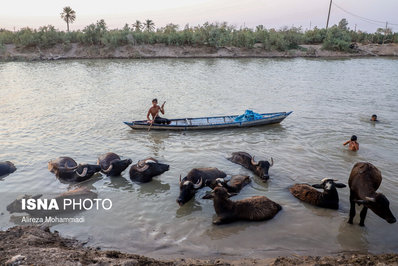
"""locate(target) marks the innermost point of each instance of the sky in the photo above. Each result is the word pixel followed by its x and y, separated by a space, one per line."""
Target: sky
pixel 365 15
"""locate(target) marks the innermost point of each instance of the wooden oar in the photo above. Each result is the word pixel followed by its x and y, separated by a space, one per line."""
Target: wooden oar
pixel 153 121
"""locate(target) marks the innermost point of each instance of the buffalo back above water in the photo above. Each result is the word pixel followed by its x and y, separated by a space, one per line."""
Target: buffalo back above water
pixel 68 170
pixel 112 165
pixel 257 208
pixel 259 168
pixel 6 168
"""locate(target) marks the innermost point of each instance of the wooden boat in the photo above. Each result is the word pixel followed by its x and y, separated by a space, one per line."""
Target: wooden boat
pixel 215 122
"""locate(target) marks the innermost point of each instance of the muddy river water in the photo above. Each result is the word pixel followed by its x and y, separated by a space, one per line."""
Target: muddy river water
pixel 77 108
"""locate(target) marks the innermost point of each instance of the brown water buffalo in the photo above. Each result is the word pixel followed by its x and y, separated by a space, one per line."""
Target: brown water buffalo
pixel 112 165
pixel 144 170
pixel 329 198
pixel 196 179
pixel 364 180
pixel 259 168
pixel 6 168
pixel 75 194
pixel 256 208
pixel 66 169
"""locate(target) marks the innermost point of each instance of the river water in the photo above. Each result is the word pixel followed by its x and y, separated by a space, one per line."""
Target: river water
pixel 77 108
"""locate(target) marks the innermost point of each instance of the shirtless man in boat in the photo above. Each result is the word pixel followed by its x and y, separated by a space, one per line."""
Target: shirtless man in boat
pixel 154 112
pixel 353 144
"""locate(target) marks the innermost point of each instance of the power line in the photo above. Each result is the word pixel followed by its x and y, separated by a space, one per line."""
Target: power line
pixel 371 21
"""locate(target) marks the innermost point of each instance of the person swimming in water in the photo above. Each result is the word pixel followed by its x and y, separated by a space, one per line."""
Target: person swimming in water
pixel 353 144
pixel 374 118
pixel 154 112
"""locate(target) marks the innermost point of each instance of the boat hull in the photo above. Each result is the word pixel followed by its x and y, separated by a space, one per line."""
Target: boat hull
pixel 219 122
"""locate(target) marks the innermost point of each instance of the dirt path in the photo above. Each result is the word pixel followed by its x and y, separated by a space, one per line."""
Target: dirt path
pixel 31 245
pixel 78 51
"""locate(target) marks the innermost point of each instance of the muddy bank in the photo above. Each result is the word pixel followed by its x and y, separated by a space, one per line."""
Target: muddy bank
pixel 31 245
pixel 10 52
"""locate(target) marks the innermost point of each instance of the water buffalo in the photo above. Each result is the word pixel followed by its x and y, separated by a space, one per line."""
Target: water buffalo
pixel 144 170
pixel 364 180
pixel 75 194
pixel 259 168
pixel 256 208
pixel 6 168
pixel 196 178
pixel 112 165
pixel 68 170
pixel 233 186
pixel 329 198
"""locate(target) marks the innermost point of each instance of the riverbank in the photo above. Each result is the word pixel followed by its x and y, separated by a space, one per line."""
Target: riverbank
pixel 10 52
pixel 31 245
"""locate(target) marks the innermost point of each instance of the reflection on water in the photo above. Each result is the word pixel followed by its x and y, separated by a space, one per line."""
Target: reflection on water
pixel 36 124
pixel 152 188
pixel 119 183
pixel 188 208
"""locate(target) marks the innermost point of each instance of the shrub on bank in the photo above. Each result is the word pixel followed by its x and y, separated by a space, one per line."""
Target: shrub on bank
pixel 337 38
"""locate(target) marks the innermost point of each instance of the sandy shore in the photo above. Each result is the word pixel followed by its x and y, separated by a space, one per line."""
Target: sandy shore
pixel 32 245
pixel 10 52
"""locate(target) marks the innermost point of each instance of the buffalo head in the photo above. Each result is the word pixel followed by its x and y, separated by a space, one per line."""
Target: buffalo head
pixel 188 190
pixel 329 184
pixel 261 168
pixel 380 206
pixel 144 170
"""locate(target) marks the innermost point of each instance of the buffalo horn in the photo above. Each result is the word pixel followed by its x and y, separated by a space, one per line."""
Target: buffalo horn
pixel 180 179
pixel 142 168
pixel 253 161
pixel 109 168
pixel 272 162
pixel 84 172
pixel 151 159
pixel 370 199
pixel 198 184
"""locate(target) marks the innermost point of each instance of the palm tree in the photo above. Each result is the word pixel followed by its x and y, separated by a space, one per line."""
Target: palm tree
pixel 69 15
pixel 149 25
pixel 137 25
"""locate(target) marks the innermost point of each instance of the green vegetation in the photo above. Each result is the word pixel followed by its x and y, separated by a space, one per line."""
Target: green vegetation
pixel 338 37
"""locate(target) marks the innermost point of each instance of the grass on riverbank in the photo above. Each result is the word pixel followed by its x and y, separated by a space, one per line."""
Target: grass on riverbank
pixel 337 38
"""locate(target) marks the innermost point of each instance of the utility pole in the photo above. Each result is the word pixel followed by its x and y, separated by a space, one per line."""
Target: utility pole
pixel 310 24
pixel 330 6
pixel 385 32
pixel 355 28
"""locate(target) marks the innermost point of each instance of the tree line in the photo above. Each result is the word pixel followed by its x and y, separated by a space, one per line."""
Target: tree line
pixel 338 37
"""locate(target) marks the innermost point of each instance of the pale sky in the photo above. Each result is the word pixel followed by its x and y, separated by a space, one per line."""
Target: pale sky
pixel 270 13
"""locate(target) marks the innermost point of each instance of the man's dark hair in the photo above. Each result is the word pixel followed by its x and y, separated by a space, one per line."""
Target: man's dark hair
pixel 155 100
pixel 353 138
pixel 375 116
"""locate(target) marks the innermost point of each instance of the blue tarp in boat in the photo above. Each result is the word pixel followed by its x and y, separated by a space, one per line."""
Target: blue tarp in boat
pixel 249 115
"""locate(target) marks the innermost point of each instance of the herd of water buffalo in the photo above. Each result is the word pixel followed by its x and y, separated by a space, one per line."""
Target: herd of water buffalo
pixel 363 182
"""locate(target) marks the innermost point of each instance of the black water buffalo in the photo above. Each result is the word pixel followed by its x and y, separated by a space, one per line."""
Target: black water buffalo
pixel 112 165
pixel 75 194
pixel 144 170
pixel 259 168
pixel 6 168
pixel 195 179
pixel 66 169
pixel 233 185
pixel 364 180
pixel 329 198
pixel 256 208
